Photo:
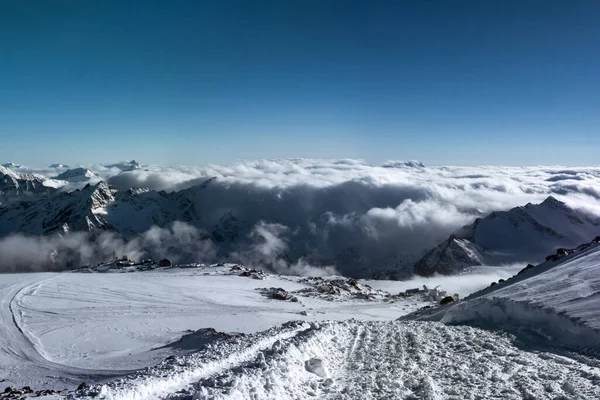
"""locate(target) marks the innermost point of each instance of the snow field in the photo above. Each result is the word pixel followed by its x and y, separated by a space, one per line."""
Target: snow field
pixel 364 360
pixel 61 329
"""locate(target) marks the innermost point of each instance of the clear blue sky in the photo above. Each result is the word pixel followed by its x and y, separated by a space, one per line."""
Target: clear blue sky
pixel 173 82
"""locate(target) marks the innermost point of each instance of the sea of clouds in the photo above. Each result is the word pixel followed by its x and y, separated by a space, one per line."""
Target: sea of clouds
pixel 339 215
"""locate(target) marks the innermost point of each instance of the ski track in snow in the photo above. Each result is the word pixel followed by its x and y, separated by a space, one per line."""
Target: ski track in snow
pixel 24 350
pixel 58 330
pixel 44 319
pixel 362 360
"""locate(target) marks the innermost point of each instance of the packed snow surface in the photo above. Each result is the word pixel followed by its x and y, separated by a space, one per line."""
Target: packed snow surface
pixel 361 360
pixel 61 329
pixel 557 300
pixel 137 335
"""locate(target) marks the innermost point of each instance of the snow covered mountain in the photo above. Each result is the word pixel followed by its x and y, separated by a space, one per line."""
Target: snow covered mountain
pixel 12 165
pixel 58 166
pixel 526 233
pixel 76 175
pixel 15 185
pixel 452 255
pixel 81 210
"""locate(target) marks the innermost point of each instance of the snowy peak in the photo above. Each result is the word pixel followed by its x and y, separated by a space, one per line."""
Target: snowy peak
pixel 58 166
pixel 9 173
pixel 17 185
pixel 526 233
pixel 76 175
pixel 81 210
pixel 12 165
pixel 551 203
pixel 6 172
pixel 533 229
pixel 451 256
pixel 99 196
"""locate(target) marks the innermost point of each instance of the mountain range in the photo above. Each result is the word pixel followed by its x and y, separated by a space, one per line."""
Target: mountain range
pixel 526 233
pixel 14 185
pixel 34 205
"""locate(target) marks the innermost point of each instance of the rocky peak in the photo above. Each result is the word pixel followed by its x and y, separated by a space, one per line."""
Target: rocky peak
pixel 100 195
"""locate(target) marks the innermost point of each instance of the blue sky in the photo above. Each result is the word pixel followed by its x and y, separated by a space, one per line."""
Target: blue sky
pixel 173 82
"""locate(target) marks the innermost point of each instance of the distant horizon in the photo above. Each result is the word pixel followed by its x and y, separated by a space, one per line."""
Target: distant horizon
pixel 71 165
pixel 196 83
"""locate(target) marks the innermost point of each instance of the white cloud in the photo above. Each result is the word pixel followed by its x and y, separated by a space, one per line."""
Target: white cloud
pixel 179 242
pixel 331 212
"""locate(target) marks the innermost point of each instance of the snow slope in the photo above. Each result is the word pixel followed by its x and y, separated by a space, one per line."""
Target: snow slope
pixel 104 328
pixel 360 360
pixel 555 302
pixel 76 175
pixel 23 359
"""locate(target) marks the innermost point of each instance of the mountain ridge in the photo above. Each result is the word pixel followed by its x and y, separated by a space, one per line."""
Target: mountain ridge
pixel 523 233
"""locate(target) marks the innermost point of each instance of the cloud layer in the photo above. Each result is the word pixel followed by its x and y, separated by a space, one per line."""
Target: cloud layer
pixel 343 214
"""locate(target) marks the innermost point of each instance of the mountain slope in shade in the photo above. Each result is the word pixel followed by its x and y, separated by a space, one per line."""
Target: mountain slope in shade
pixel 526 233
pixel 81 210
pixel 451 256
pixel 15 185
